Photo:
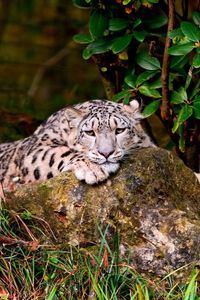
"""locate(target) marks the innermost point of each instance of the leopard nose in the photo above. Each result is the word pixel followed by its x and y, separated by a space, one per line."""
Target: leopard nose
pixel 106 154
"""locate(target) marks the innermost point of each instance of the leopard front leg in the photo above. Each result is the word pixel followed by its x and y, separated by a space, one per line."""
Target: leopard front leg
pixel 48 162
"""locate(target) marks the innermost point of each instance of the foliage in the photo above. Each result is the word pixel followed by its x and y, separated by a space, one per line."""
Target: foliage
pixel 141 53
pixel 30 269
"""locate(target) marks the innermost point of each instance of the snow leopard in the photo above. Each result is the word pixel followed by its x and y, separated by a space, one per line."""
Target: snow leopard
pixel 89 139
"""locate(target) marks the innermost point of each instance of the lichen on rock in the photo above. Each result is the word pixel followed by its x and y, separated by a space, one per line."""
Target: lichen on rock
pixel 153 202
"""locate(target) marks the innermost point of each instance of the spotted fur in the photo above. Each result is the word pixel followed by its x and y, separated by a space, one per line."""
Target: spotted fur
pixel 89 139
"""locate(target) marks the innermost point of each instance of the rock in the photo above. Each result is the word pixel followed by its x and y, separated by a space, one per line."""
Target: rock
pixel 153 202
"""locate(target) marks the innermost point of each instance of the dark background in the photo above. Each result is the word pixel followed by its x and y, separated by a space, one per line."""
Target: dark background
pixel 41 68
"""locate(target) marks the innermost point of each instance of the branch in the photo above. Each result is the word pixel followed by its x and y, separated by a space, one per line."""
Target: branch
pixel 165 65
pixel 48 64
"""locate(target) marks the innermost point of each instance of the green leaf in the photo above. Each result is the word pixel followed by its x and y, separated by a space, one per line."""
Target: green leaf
pixel 145 76
pixel 147 61
pixel 139 35
pixel 185 112
pixel 182 49
pixel 197 98
pixel 87 53
pixel 125 2
pixel 195 90
pixel 196 61
pixel 83 38
pixel 151 108
pixel 183 93
pixel 145 90
pixel 119 96
pixel 176 33
pixel 156 84
pixel 97 47
pixel 98 23
pixel 196 107
pixel 116 24
pixel 188 78
pixel 126 99
pixel 156 21
pixel 82 3
pixel 130 80
pixel 100 46
pixel 175 98
pixel 190 31
pixel 136 23
pixel 121 43
pixel 178 61
pixel 196 17
pixel 179 97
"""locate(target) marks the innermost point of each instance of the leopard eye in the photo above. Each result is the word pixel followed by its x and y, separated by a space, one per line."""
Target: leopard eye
pixel 90 132
pixel 119 130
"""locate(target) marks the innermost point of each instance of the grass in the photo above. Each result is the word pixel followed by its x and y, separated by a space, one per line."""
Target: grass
pixel 32 267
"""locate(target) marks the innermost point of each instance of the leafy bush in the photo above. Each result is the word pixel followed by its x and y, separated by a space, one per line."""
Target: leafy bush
pixel 149 49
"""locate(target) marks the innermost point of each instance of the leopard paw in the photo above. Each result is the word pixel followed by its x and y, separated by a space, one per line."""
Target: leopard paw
pixel 90 172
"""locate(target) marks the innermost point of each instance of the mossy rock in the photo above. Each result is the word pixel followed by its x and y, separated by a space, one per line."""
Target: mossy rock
pixel 153 202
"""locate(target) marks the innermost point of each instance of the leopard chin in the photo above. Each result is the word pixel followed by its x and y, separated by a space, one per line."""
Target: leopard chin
pixel 111 167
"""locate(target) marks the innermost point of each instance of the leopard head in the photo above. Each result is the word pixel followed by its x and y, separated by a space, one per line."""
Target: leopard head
pixel 106 132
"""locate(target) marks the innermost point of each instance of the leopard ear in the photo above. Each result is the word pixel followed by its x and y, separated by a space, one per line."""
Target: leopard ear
pixel 74 116
pixel 134 108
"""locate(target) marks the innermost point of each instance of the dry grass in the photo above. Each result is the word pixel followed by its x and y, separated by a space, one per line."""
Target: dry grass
pixel 31 269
